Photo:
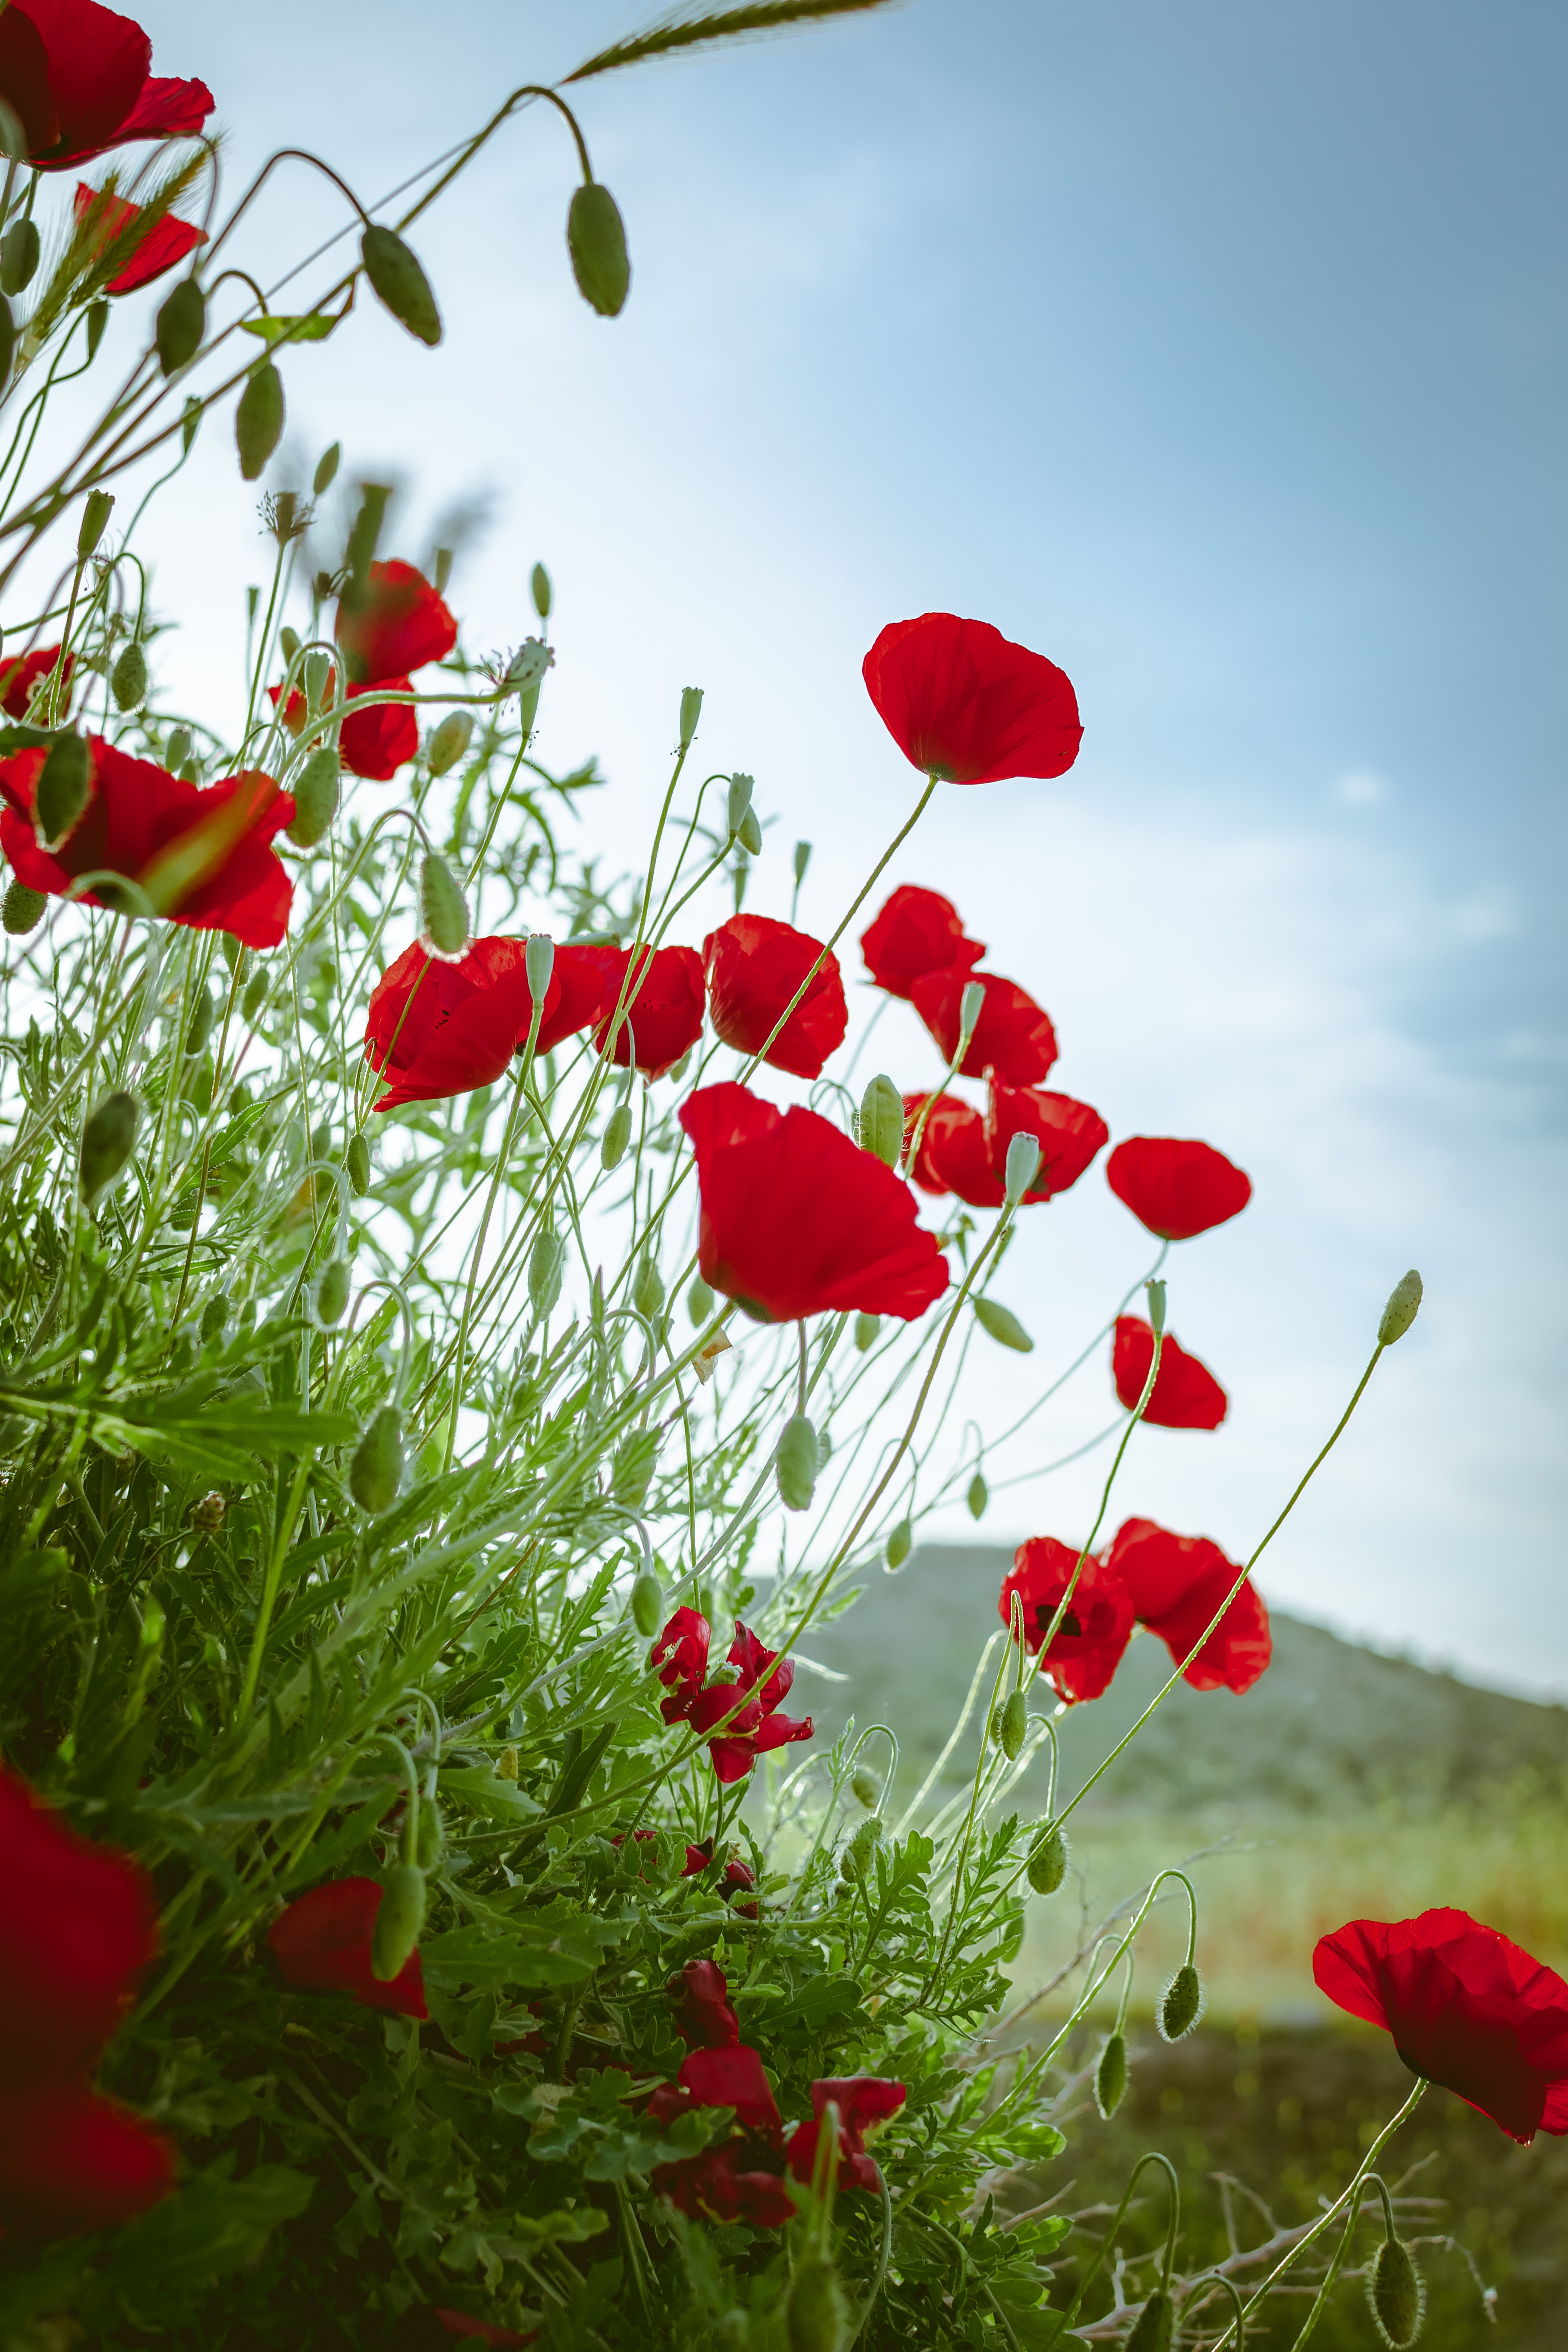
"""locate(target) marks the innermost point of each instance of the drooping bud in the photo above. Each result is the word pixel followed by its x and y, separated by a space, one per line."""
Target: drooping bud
pixel 1397 2294
pixel 327 469
pixel 816 2319
pixel 866 1787
pixel 317 790
pixel 1152 2328
pixel 215 1316
pixel 647 1602
pixel 376 1474
pixel 546 1268
pixel 1182 2004
pixel 127 678
pixel 1047 1863
pixel 19 250
pixel 63 791
pixel 95 514
pixel 881 1125
pixel 1110 2077
pixel 450 741
pixel 795 1466
pixel 1023 1166
pixel 647 1288
pixel 617 1136
pixel 542 592
pixel 287 638
pixel 1403 1304
pixel 539 961
pixel 855 1862
pixel 399 281
pixel 899 1543
pixel 24 909
pixel 107 1139
pixel 597 241
pixel 1002 1326
pixel 700 1302
pixel 802 860
pixel 317 673
pixel 1155 1292
pixel 749 835
pixel 253 1002
pixel 356 1160
pixel 397 1922
pixel 631 1471
pixel 181 323
pixel 258 419
pixel 971 1004
pixel 203 1013
pixel 96 321
pixel 177 750
pixel 979 1495
pixel 866 1329
pixel 331 1292
pixel 1014 1724
pixel 445 912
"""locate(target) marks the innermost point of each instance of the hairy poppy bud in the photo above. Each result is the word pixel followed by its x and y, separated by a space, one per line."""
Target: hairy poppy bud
pixel 127 678
pixel 24 909
pixel 1155 1292
pixel 631 1472
pixel 538 962
pixel 203 1013
pixel 802 860
pixel 316 793
pixel 327 469
pixel 450 741
pixel 1151 2329
pixel 255 998
pixel 737 803
pixel 181 323
pixel 215 1316
pixel 648 1603
pixel 866 1329
pixel 431 1834
pixel 1110 2077
pixel 1397 2295
pixel 356 1160
pixel 210 1512
pixel 617 1136
pixel 1023 1162
pixel 899 1542
pixel 444 911
pixel 95 514
pixel 855 1862
pixel 60 795
pixel 1047 1863
pixel 543 593
pixel 647 1288
pixel 331 1292
pixel 1182 2004
pixel 979 1495
pixel 597 241
pixel 397 1922
pixel 815 2318
pixel 258 419
pixel 177 750
pixel 546 1266
pixel 376 1474
pixel 700 1302
pixel 318 676
pixel 794 1465
pixel 1014 1724
pixel 399 281
pixel 881 1123
pixel 1002 1326
pixel 1403 1304
pixel 18 256
pixel 867 1787
pixel 107 1141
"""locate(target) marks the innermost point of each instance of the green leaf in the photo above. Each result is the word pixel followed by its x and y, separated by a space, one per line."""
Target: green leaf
pixel 486 1792
pixel 310 326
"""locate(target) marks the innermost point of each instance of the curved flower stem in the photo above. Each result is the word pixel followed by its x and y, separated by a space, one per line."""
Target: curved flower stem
pixel 1151 2156
pixel 519 1098
pixel 1319 2301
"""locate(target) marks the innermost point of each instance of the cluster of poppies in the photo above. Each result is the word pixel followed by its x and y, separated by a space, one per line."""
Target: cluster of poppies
pixel 1175 1585
pixel 740 1710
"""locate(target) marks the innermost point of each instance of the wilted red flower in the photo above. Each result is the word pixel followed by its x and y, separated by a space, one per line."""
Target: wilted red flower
pixel 863 2101
pixel 963 703
pixel 321 1943
pixel 71 2160
pixel 680 1659
pixel 754 966
pixel 376 743
pixel 1069 1133
pixel 483 2331
pixel 397 626
pixel 703 2015
pixel 1097 1625
pixel 18 678
pixel 1186 1393
pixel 1012 1037
pixel 917 931
pixel 436 1029
pixel 738 2179
pixel 662 1012
pixel 78 1926
pixel 77 76
pixel 1177 1583
pixel 167 242
pixel 1174 1187
pixel 954 1155
pixel 1466 2007
pixel 203 853
pixel 796 1220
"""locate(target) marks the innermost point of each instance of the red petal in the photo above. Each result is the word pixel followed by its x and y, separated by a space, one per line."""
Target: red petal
pixel 917 931
pixel 1012 1037
pixel 1069 1133
pixel 376 743
pixel 662 1012
pixel 1177 1584
pixel 1186 1393
pixel 963 702
pixel 1093 1635
pixel 71 2160
pixel 401 625
pixel 1176 1188
pixel 754 966
pixel 78 1925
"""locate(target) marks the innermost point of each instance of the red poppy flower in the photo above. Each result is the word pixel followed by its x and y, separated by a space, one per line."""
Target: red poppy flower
pixel 754 966
pixel 917 931
pixel 863 2101
pixel 71 2160
pixel 376 743
pixel 680 1659
pixel 1186 1393
pixel 1176 1188
pixel 757 1726
pixel 78 77
pixel 1068 1132
pixel 1012 1037
pixel 963 703
pixel 322 1942
pixel 954 1155
pixel 729 2076
pixel 439 1029
pixel 1177 1583
pixel 703 2015
pixel 399 625
pixel 662 1012
pixel 18 678
pixel 1466 2007
pixel 737 1878
pixel 738 2179
pixel 482 2331
pixel 1097 1627
pixel 796 1220
pixel 166 244
pixel 203 855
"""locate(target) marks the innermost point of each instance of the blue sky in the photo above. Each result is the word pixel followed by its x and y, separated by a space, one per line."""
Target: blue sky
pixel 1218 351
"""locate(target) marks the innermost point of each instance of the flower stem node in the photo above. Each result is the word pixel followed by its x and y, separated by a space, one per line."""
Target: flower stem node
pixel 1151 2330
pixel 107 1141
pixel 1023 1164
pixel 398 1920
pixel 22 910
pixel 866 1329
pixel 1182 2004
pixel 331 1292
pixel 1002 1326
pixel 19 249
pixel 542 595
pixel 127 678
pixel 1403 1306
pixel 258 419
pixel 738 802
pixel 64 786
pixel 376 1474
pixel 356 1160
pixel 597 241
pixel 316 795
pixel 400 284
pixel 866 1787
pixel 1110 2076
pixel 181 325
pixel 816 2319
pixel 546 1265
pixel 881 1124
pixel 631 1472
pixel 539 961
pixel 1397 2294
pixel 1048 1862
pixel 899 1543
pixel 795 1464
pixel 979 1495
pixel 95 514
pixel 647 1602
pixel 1155 1292
pixel 1014 1724
pixel 450 741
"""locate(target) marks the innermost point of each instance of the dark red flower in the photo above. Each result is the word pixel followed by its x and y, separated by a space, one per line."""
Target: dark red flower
pixel 482 2331
pixel 1068 1132
pixel 1176 1188
pixel 1466 2007
pixel 78 77
pixel 737 1878
pixel 397 626
pixel 758 1726
pixel 729 2076
pixel 376 743
pixel 917 931
pixel 71 2160
pixel 1097 1625
pixel 321 1943
pixel 736 2180
pixel 166 242
pixel 1012 1037
pixel 18 678
pixel 1177 1583
pixel 963 703
pixel 796 1220
pixel 663 1011
pixel 754 966
pixel 437 1029
pixel 863 2101
pixel 1186 1393
pixel 680 1659
pixel 703 2015
pixel 954 1155
pixel 203 855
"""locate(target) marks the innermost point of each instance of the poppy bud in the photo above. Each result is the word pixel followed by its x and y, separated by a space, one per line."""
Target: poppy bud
pixel 546 1265
pixel 1397 2295
pixel 802 860
pixel 450 741
pixel 648 1288
pixel 397 1922
pixel 331 1292
pixel 617 1136
pixel 815 2317
pixel 794 1465
pixel 867 1787
pixel 1002 1326
pixel 327 469
pixel 1151 2329
pixel 315 792
pixel 215 1316
pixel 258 419
pixel 866 1329
pixel 95 514
pixel 356 1160
pixel 597 241
pixel 506 1764
pixel 1403 1304
pixel 978 1496
pixel 127 678
pixel 191 772
pixel 1182 2004
pixel 1155 1292
pixel 1110 2077
pixel 24 909
pixel 316 673
pixel 210 1512
pixel 431 1834
pixel 881 1124
pixel 376 1474
pixel 1023 1163
pixel 540 585
pixel 971 1004
pixel 1047 1863
pixel 201 1028
pixel 700 1302
pixel 97 320
pixel 631 1472
pixel 177 750
pixel 899 1543
pixel 107 1140
pixel 1014 1724
pixel 648 1603
pixel 287 638
pixel 181 323
pixel 855 1862
pixel 444 911
pixel 539 961
pixel 60 795
pixel 254 999
pixel 396 277
pixel 18 256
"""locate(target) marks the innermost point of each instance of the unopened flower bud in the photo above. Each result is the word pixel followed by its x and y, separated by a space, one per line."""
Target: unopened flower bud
pixel 444 911
pixel 1023 1166
pixel 539 587
pixel 441 572
pixel 617 1136
pixel 181 325
pixel 1152 2328
pixel 802 860
pixel 690 711
pixel 127 678
pixel 795 1466
pixel 1002 1326
pixel 648 1603
pixel 546 1268
pixel 400 283
pixel 737 801
pixel 979 1495
pixel 376 1474
pixel 881 1123
pixel 866 1787
pixel 63 789
pixel 816 2319
pixel 24 909
pixel 750 835
pixel 647 1288
pixel 209 1512
pixel 327 469
pixel 1403 1304
pixel 317 676
pixel 1155 1292
pixel 95 514
pixel 700 1302
pixel 108 1139
pixel 1047 1863
pixel 1110 2077
pixel 450 741
pixel 203 1013
pixel 506 1764
pixel 316 793
pixel 597 241
pixel 1182 2004
pixel 1014 1724
pixel 631 1471
pixel 215 1316
pixel 855 1862
pixel 971 1004
pixel 258 419
pixel 331 1292
pixel 430 1835
pixel 19 249
pixel 539 959
pixel 356 1160
pixel 252 1003
pixel 899 1543
pixel 397 1922
pixel 1397 2295
pixel 866 1329
pixel 287 638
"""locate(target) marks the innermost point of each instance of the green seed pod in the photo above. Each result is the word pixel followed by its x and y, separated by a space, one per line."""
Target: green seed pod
pixel 448 741
pixel 979 1495
pixel 700 1302
pixel 1151 2330
pixel 1155 1292
pixel 1110 2077
pixel 1403 1304
pixel 866 1329
pixel 24 909
pixel 690 712
pixel 445 911
pixel 795 1466
pixel 18 256
pixel 1397 2295
pixel 538 962
pixel 203 1013
pixel 331 1292
pixel 1047 1863
pixel 816 2319
pixel 881 1128
pixel 376 1474
pixel 177 750
pixel 107 1141
pixel 215 1316
pixel 127 678
pixel 327 469
pixel 258 419
pixel 971 1006
pixel 316 793
pixel 400 283
pixel 648 1288
pixel 750 835
pixel 631 1472
pixel 63 789
pixel 597 241
pixel 739 801
pixel 95 510
pixel 1014 1724
pixel 397 1922
pixel 182 323
pixel 254 999
pixel 899 1542
pixel 546 1266
pixel 1182 2004
pixel 543 593
pixel 1023 1166
pixel 1002 1326
pixel 356 1160
pixel 648 1603
pixel 617 1136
